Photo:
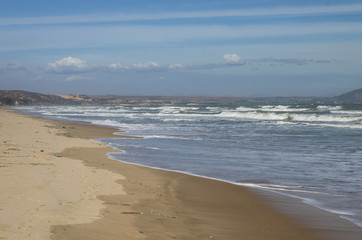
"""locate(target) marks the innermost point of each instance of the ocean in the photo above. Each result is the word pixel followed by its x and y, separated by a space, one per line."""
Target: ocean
pixel 313 152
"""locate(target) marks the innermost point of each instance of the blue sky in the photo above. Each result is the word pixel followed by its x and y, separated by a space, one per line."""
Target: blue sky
pixel 209 48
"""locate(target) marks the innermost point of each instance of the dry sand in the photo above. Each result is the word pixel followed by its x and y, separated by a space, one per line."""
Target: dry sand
pixel 38 189
pixel 81 194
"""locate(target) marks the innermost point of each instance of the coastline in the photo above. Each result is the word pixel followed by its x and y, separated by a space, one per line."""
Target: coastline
pixel 158 204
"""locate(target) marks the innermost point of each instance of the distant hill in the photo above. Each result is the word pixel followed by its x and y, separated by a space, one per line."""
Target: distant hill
pixel 19 97
pixel 23 98
pixel 350 97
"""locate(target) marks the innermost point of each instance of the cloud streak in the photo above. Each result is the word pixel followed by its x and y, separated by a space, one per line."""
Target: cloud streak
pixel 12 67
pixel 15 67
pixel 72 65
pixel 96 36
pixel 229 60
pixel 124 17
pixel 284 61
pixel 78 78
pixel 137 67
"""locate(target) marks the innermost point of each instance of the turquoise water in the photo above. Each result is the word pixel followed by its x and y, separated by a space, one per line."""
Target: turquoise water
pixel 309 152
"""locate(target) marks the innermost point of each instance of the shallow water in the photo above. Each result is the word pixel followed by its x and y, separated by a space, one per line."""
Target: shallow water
pixel 309 152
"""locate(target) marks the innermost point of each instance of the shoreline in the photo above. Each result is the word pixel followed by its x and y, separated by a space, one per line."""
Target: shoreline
pixel 295 208
pixel 248 186
pixel 163 204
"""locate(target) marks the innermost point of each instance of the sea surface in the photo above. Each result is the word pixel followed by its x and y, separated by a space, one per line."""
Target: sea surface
pixel 313 153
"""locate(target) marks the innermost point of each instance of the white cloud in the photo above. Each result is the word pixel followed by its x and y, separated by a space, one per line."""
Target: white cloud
pixel 69 65
pixel 146 66
pixel 233 59
pixel 117 67
pixel 78 77
pixel 176 66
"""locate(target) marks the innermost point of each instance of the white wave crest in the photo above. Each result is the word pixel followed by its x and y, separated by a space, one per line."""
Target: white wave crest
pixel 290 116
pixel 329 108
pixel 354 112
pixel 283 188
pixel 170 137
pixel 179 120
pixel 176 110
pixel 271 108
pixel 350 126
pixel 282 108
pixel 324 118
pixel 255 115
pixel 107 122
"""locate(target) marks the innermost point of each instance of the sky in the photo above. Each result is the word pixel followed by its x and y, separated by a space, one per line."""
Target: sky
pixel 241 48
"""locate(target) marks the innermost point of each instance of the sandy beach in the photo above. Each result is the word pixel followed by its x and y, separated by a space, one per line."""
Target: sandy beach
pixel 58 184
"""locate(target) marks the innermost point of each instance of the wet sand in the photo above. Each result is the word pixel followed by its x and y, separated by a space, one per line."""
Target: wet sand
pixel 84 195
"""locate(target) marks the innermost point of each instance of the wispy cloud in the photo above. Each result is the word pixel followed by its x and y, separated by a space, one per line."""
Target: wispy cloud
pixel 229 60
pixel 284 61
pixel 146 66
pixel 12 67
pixel 72 65
pixel 96 36
pixel 78 77
pixel 124 17
pixel 15 67
pixel 137 67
